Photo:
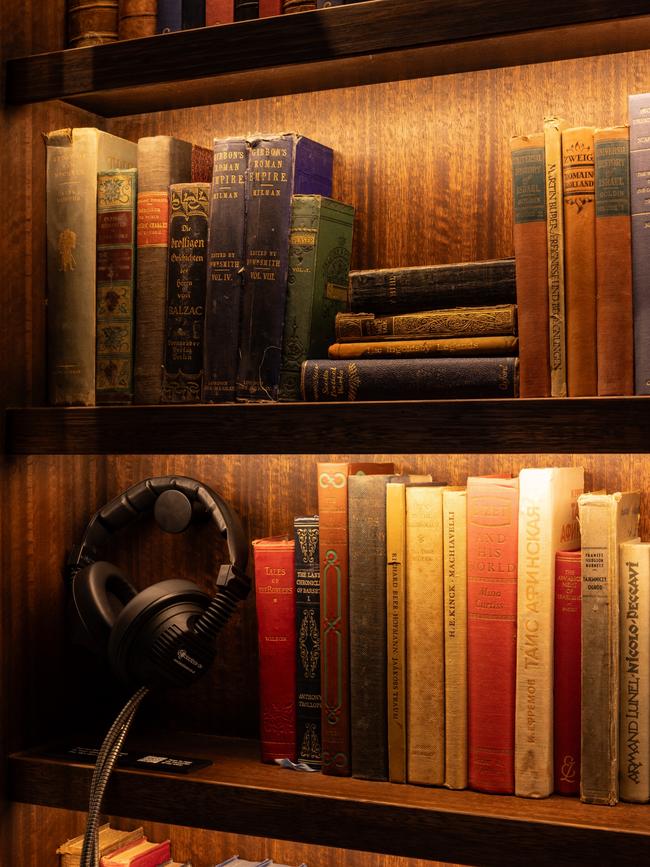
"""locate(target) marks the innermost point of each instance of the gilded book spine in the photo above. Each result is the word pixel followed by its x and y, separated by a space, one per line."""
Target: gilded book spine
pixel 463 347
pixel 396 628
pixel 116 198
pixel 454 322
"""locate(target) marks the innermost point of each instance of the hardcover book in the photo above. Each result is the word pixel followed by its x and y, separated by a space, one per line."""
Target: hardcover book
pixel 192 14
pixel 91 23
pixel 75 157
pixel 275 600
pixel 269 8
pixel 137 18
pixel 447 347
pixel 144 853
pixel 308 667
pixel 109 840
pixel 566 672
pixel 246 9
pixel 219 11
pixel 454 322
pixel 169 16
pixel 116 199
pixel 396 628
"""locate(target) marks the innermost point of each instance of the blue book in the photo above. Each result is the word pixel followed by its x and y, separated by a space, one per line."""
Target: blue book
pixel 170 16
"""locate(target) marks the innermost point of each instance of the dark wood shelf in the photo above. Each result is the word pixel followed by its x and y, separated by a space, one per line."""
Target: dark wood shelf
pixel 589 425
pixel 379 40
pixel 238 794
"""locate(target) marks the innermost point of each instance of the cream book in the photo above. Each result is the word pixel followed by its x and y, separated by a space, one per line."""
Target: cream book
pixel 548 522
pixel 110 839
pixel 606 521
pixel 454 542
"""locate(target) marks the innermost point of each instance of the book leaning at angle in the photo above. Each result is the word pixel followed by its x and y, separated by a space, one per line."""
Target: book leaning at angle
pixel 110 839
pixel 75 157
pixel 606 521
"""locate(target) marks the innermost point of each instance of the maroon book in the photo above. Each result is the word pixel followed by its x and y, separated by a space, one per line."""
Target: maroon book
pixel 566 673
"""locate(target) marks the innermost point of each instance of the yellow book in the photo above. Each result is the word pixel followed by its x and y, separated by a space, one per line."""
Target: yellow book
pixel 110 839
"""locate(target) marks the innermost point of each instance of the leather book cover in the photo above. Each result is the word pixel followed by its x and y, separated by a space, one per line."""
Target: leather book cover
pixel 189 213
pixel 638 110
pixel 137 18
pixel 219 11
pixel 580 260
pixel 408 378
pixel 453 322
pixel 162 161
pixel 169 17
pixel 269 8
pixel 245 10
pixel 278 167
pixel 320 244
pixel 614 313
pixel 446 347
pixel 226 250
pixel 116 200
pixel 308 667
pixel 335 622
pixel 384 291
pixel 74 159
pixel 566 673
pixel 202 160
pixel 193 14
pixel 275 601
pixel 91 23
pixel 529 237
pixel 492 511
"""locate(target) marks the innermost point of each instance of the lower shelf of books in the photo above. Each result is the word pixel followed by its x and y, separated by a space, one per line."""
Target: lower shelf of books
pixel 237 793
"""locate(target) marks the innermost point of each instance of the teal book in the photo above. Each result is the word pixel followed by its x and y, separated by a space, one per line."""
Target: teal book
pixel 320 245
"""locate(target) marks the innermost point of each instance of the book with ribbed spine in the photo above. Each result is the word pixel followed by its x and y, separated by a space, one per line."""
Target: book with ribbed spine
pixel 566 672
pixel 308 667
pixel 91 23
pixel 116 200
pixel 548 522
pixel 75 157
pixel 454 526
pixel 446 347
pixel 606 521
pixel 529 237
pixel 320 243
pixel 453 322
pixel 137 18
pixel 638 111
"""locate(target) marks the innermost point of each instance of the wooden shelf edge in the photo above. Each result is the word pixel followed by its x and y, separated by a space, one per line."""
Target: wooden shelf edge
pixel 238 794
pixel 506 426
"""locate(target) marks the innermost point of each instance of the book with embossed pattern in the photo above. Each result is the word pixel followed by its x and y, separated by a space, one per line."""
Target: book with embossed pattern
pixel 453 322
pixel 308 702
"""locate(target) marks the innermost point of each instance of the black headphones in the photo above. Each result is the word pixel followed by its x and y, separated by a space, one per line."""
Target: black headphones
pixel 164 635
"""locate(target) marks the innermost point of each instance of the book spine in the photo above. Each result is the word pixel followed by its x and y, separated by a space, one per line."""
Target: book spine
pixel 289 6
pixel 189 208
pixel 219 12
pixel 455 322
pixel 403 378
pixel 308 668
pixel 225 268
pixel 116 198
pixel 639 107
pixel 320 242
pixel 162 161
pixel 566 673
pixel 553 127
pixel 91 23
pixel 193 14
pixel 169 16
pixel 385 291
pixel 137 18
pixel 580 260
pixel 465 347
pixel 492 508
pixel 245 10
pixel 634 749
pixel 425 671
pixel 614 314
pixel 396 629
pixel 275 599
pixel 529 236
pixel 454 511
pixel 368 649
pixel 202 160
pixel 269 8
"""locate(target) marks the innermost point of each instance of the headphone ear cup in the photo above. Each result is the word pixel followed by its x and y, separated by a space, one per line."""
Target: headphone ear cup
pixel 99 593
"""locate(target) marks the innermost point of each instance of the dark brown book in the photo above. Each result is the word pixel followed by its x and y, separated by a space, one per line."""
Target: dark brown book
pixel 137 18
pixel 92 23
pixel 298 6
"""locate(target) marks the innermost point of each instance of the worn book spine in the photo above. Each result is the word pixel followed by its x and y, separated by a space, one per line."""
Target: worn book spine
pixel 606 521
pixel 454 528
pixel 289 6
pixel 225 268
pixel 553 127
pixel 548 522
pixel 193 14
pixel 219 11
pixel 116 200
pixel 246 9
pixel 278 167
pixel 454 322
pixel 492 511
pixel 566 673
pixel 368 648
pixel 320 243
pixel 634 748
pixel 275 601
pixel 74 159
pixel 580 260
pixel 269 8
pixel 308 668
pixel 91 23
pixel 614 313
pixel 189 213
pixel 169 16
pixel 529 236
pixel 137 18
pixel 396 629
pixel 639 117
pixel 417 378
pixel 385 291
pixel 425 669
pixel 422 348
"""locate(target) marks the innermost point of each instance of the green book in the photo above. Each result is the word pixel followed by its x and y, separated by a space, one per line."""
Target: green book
pixel 320 244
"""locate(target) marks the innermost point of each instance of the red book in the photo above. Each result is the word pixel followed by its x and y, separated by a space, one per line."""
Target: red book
pixel 335 626
pixel 492 507
pixel 219 11
pixel 142 853
pixel 270 7
pixel 275 598
pixel 566 673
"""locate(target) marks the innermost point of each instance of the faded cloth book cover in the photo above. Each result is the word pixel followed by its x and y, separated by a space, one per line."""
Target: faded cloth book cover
pixel 396 628
pixel 566 672
pixel 453 322
pixel 275 601
pixel 639 115
pixel 308 656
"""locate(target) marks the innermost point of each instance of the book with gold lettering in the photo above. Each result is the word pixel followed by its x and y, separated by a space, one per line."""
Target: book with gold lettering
pixel 308 655
pixel 446 347
pixel 452 322
pixel 396 628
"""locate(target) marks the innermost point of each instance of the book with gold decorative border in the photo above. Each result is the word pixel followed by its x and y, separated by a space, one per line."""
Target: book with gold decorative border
pixel 308 656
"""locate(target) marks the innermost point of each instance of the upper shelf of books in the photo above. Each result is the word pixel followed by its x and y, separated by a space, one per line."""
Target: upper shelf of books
pixel 374 41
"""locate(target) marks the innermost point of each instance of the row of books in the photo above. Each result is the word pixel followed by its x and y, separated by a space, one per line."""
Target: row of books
pixel 173 268
pixel 580 203
pixel 466 636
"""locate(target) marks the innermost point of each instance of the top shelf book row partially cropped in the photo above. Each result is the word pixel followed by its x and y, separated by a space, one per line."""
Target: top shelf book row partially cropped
pixel 374 41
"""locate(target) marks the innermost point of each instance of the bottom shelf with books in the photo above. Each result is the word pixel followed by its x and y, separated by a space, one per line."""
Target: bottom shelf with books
pixel 239 794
